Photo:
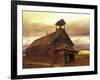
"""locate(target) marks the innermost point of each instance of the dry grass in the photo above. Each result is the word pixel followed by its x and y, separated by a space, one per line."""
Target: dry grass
pixel 82 59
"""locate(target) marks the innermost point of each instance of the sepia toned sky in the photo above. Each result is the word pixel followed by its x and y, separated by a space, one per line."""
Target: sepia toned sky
pixel 38 24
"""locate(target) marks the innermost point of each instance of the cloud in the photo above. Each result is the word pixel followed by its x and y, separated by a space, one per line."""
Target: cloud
pixel 37 29
pixel 38 23
pixel 78 28
pixel 80 40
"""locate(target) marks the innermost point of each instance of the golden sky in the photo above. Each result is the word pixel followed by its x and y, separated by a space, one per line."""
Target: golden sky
pixel 37 24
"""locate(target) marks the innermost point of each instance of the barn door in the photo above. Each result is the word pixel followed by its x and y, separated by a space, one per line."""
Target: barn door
pixel 67 58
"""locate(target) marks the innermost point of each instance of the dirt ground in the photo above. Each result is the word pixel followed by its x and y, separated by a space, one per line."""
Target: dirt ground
pixel 80 60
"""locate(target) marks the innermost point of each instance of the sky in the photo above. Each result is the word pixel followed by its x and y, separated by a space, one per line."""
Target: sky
pixel 38 24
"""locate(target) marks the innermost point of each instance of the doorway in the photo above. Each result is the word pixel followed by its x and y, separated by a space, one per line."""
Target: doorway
pixel 68 58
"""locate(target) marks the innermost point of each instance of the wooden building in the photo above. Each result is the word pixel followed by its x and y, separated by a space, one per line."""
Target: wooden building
pixel 55 48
